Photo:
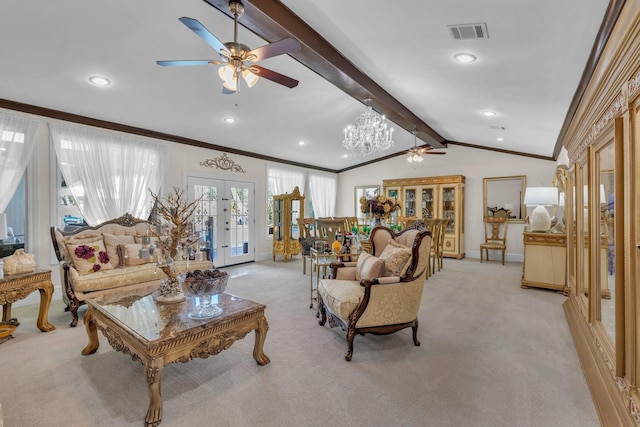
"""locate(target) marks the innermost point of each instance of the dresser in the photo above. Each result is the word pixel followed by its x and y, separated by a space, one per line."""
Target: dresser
pixel 545 261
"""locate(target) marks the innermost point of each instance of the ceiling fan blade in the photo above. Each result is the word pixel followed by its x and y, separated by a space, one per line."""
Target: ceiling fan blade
pixel 187 62
pixel 274 49
pixel 195 26
pixel 275 77
pixel 435 152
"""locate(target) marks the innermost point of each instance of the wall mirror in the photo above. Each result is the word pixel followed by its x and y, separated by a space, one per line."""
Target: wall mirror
pixel 367 191
pixel 505 193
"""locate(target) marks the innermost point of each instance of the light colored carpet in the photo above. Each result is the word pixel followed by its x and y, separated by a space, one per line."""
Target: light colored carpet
pixel 492 354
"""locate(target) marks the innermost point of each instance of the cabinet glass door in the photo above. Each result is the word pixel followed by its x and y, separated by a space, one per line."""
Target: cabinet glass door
pixel 448 207
pixel 410 200
pixel 606 166
pixel 428 203
pixel 278 219
pixel 295 214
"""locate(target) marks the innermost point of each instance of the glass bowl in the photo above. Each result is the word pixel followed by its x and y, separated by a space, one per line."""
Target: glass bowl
pixel 204 284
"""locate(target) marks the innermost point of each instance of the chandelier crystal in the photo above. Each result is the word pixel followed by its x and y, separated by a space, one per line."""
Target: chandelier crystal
pixel 369 134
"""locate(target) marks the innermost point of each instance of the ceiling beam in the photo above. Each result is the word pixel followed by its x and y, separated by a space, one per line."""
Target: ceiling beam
pixel 273 21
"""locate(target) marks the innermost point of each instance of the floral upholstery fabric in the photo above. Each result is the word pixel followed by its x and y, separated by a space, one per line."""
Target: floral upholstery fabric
pixel 397 258
pixel 369 267
pixel 90 257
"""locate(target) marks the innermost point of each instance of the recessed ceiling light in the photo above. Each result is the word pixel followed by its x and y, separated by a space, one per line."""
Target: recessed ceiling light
pixel 229 120
pixel 489 113
pixel 99 81
pixel 345 156
pixel 301 143
pixel 465 58
pixel 500 139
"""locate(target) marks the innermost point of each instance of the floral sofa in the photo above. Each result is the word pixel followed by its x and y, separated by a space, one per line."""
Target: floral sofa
pixel 103 259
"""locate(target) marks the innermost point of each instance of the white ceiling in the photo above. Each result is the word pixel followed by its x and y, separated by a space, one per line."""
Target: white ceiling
pixel 527 70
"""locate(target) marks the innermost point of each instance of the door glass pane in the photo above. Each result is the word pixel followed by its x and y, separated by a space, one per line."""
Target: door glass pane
pixel 239 221
pixel 607 231
pixel 206 219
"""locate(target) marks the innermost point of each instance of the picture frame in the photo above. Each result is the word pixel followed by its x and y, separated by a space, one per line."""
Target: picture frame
pixel 505 193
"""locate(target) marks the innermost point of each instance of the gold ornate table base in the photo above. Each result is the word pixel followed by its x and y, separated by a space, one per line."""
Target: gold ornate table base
pixel 19 286
pixel 173 337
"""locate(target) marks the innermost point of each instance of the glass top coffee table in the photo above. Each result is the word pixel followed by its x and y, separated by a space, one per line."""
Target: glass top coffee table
pixel 158 334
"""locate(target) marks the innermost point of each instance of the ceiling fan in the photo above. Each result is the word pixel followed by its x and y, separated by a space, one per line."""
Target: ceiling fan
pixel 415 154
pixel 236 59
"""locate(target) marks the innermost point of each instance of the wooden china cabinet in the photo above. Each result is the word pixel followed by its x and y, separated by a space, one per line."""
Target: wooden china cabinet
pixel 434 197
pixel 287 208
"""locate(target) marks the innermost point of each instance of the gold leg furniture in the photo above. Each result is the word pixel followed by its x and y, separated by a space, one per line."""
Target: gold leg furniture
pixel 159 334
pixel 19 286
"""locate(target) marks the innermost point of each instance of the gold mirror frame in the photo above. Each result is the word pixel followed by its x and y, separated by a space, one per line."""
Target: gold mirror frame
pixel 511 189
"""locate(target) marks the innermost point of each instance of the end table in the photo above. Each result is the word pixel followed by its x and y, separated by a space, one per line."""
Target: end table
pixel 15 287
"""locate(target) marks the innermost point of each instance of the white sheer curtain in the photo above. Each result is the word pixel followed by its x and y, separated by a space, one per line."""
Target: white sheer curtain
pixel 324 190
pixel 285 180
pixel 17 141
pixel 109 173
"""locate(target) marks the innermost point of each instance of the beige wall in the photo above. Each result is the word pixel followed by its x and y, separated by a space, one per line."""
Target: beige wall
pixel 475 165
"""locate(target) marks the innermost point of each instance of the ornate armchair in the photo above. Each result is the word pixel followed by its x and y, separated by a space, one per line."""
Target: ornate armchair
pixel 380 293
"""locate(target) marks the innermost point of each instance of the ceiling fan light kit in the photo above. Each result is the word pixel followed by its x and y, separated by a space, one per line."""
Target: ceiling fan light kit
pixel 236 59
pixel 415 154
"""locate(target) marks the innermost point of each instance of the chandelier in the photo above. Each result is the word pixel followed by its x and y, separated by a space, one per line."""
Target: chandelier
pixel 415 154
pixel 369 134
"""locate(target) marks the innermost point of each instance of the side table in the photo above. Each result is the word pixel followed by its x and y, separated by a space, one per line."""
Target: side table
pixel 15 287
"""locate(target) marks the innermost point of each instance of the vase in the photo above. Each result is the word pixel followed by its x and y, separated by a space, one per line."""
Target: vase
pixel 377 221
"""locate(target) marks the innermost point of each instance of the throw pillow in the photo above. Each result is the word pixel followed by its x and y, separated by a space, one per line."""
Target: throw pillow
pixel 90 257
pixel 111 242
pixel 397 258
pixel 369 267
pixel 129 255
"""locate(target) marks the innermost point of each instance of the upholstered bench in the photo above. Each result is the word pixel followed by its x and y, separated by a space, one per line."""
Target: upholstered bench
pixel 112 263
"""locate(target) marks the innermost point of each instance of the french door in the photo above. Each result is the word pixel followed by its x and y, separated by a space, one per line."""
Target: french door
pixel 224 219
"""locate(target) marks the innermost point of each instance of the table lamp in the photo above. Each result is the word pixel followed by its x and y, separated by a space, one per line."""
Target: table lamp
pixel 540 220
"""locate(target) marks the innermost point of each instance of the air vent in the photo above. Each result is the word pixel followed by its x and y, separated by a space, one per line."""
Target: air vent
pixel 469 31
pixel 498 127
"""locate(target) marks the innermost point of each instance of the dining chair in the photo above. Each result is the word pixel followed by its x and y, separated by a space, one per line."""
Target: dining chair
pixel 308 235
pixel 495 236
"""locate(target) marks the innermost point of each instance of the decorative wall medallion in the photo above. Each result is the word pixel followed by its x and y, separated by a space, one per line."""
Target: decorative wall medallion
pixel 223 162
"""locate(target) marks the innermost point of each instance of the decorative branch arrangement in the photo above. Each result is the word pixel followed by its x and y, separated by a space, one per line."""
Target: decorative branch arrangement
pixel 178 213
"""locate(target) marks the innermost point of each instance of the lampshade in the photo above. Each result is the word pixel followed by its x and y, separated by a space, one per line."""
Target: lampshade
pixel 3 226
pixel 540 220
